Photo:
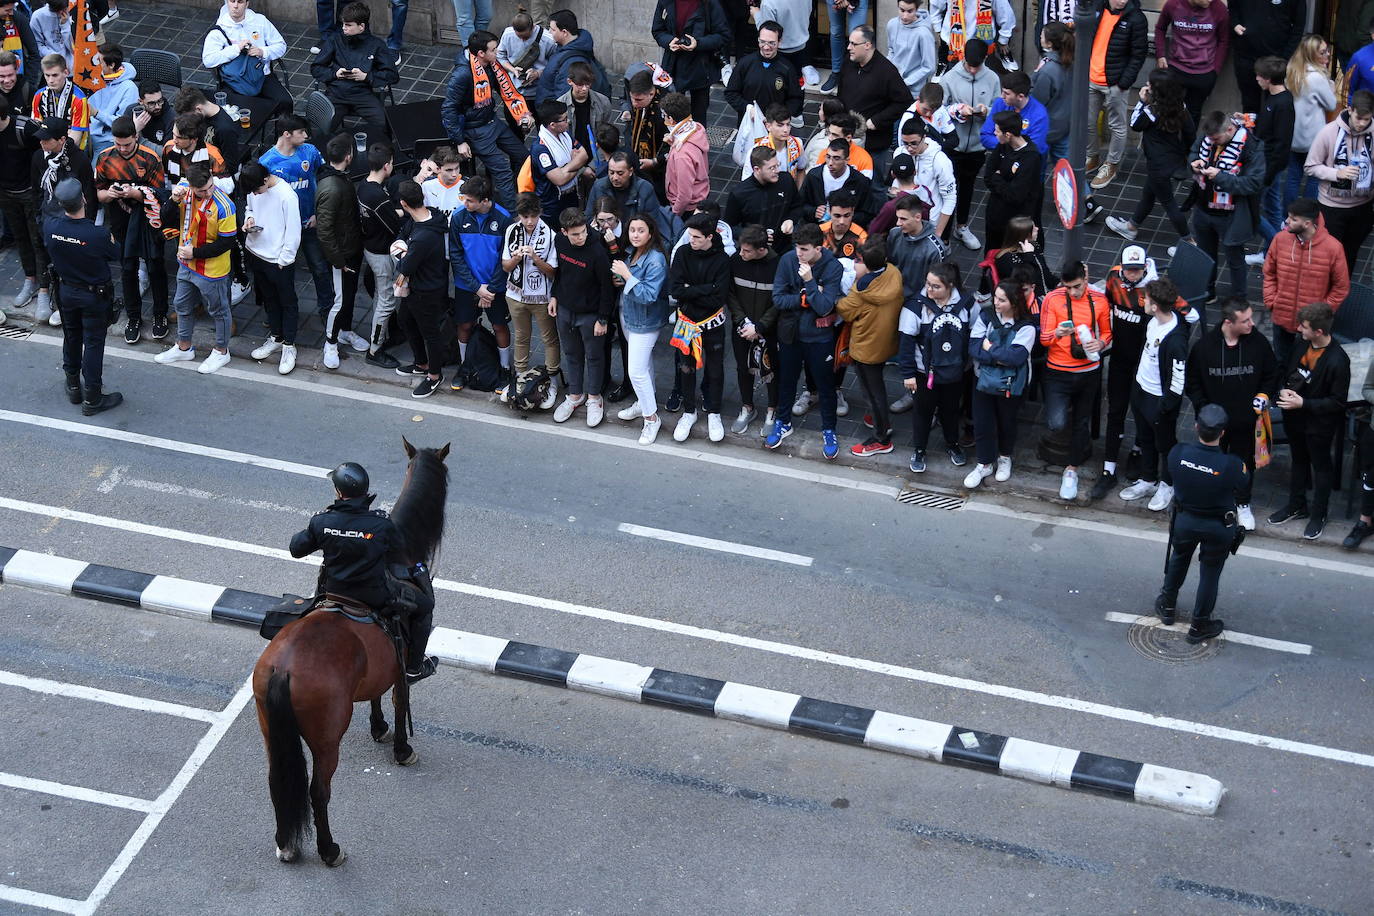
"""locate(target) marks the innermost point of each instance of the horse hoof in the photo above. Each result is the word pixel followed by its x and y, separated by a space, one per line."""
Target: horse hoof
pixel 384 738
pixel 289 854
pixel 337 860
pixel 409 760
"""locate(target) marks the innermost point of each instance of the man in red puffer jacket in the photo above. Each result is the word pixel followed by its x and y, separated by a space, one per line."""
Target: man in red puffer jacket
pixel 1305 264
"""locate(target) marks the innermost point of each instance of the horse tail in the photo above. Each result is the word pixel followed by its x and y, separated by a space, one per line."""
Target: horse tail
pixel 287 776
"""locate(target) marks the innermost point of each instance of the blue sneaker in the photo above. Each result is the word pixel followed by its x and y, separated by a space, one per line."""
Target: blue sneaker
pixel 830 446
pixel 918 463
pixel 780 432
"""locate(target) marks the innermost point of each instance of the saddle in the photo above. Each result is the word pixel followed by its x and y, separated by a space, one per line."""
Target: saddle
pixel 294 607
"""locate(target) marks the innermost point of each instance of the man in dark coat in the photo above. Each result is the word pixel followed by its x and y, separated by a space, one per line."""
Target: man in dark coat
pixel 1227 162
pixel 1262 28
pixel 692 33
pixel 766 77
pixel 873 86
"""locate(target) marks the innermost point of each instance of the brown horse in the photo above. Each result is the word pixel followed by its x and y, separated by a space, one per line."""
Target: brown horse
pixel 317 667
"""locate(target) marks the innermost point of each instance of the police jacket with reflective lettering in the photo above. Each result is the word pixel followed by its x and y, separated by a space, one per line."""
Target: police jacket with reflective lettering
pixel 354 539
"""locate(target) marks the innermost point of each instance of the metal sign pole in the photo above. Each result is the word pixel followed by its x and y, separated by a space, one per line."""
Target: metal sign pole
pixel 1084 31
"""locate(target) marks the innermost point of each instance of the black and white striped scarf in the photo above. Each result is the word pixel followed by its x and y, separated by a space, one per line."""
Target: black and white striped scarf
pixel 1227 160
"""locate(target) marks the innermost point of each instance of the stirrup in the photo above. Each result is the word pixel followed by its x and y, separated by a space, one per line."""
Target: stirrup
pixel 426 667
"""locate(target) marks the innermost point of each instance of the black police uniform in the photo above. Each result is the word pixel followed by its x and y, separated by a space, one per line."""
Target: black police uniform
pixel 1206 481
pixel 355 540
pixel 80 253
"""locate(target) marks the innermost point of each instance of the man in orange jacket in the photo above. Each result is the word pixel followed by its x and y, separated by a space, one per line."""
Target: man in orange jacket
pixel 1305 264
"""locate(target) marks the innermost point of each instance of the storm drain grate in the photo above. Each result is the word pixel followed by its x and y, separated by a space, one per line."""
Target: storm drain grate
pixel 13 332
pixel 928 500
pixel 1155 641
pixel 721 137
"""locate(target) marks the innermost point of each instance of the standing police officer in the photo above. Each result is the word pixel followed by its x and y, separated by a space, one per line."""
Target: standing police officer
pixel 80 253
pixel 1206 481
pixel 355 540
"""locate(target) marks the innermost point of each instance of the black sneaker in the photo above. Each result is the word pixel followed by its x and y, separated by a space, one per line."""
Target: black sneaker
pixel 160 327
pixel 1315 525
pixel 100 403
pixel 133 331
pixel 1106 483
pixel 917 463
pixel 831 82
pixel 411 369
pixel 618 393
pixel 1132 469
pixel 74 389
pixel 1164 611
pixel 427 666
pixel 1204 629
pixel 674 401
pixel 957 457
pixel 1092 211
pixel 1357 535
pixel 1288 513
pixel 426 387
pixel 383 360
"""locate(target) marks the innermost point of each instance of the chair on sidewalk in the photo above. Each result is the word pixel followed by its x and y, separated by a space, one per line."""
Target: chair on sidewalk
pixel 319 114
pixel 1190 270
pixel 1355 318
pixel 156 64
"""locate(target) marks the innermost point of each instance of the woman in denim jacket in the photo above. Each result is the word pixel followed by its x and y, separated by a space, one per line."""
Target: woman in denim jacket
pixel 643 312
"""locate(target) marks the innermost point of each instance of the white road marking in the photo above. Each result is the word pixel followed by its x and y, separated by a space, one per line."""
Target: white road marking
pixel 1263 642
pixel 767 645
pixel 108 697
pixel 164 802
pixel 41 900
pixel 116 478
pixel 76 793
pixel 692 540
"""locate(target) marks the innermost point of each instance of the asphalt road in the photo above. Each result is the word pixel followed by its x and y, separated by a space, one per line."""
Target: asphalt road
pixel 528 799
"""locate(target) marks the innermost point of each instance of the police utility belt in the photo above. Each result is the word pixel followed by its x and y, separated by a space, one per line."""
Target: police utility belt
pixel 1226 516
pixel 105 289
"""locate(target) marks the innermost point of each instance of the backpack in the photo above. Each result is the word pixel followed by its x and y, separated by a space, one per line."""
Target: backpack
pixel 482 368
pixel 244 74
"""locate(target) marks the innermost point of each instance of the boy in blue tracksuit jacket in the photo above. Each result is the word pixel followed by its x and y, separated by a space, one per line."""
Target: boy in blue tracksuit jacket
pixel 476 231
pixel 1035 120
pixel 932 351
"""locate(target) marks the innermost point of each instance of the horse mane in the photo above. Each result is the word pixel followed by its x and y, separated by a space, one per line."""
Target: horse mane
pixel 419 510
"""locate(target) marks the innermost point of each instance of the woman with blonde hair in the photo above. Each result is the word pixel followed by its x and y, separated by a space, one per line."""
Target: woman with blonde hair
pixel 1313 96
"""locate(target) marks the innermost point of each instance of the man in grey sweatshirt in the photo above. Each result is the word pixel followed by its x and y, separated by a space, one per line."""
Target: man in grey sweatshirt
pixel 911 44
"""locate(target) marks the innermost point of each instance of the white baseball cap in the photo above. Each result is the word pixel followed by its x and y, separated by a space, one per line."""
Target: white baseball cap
pixel 1133 256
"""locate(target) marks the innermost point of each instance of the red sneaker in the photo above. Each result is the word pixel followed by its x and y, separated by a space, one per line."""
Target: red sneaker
pixel 868 420
pixel 870 447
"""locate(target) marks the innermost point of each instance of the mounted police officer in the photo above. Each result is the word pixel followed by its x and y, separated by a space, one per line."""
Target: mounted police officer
pixel 1206 481
pixel 356 540
pixel 80 253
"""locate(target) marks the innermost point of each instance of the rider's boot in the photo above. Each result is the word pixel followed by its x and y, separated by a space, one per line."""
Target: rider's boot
pixel 421 666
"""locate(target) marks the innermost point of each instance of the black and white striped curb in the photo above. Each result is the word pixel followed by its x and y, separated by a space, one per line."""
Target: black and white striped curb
pixel 1178 790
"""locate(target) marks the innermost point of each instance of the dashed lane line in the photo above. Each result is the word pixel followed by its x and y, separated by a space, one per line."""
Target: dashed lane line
pixel 108 697
pixel 693 540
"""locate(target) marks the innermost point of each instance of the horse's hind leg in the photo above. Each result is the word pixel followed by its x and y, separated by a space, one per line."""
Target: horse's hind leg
pixel 380 733
pixel 326 762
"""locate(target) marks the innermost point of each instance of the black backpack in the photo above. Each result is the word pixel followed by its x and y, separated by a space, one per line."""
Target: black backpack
pixel 481 370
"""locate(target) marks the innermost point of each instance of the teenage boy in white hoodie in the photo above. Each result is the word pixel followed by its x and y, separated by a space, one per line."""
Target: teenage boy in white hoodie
pixel 272 223
pixel 911 44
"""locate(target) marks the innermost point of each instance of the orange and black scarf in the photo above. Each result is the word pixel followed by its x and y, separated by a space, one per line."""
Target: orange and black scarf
pixel 481 88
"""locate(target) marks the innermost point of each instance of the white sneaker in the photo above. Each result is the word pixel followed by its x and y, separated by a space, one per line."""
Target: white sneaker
pixel 802 404
pixel 238 292
pixel 353 340
pixel 2 317
pixel 684 427
pixel 214 362
pixel 902 404
pixel 630 413
pixel 977 475
pixel 288 359
pixel 811 75
pixel 596 411
pixel 43 310
pixel 269 346
pixel 769 418
pixel 142 279
pixel 1139 490
pixel 1247 518
pixel 26 293
pixel 55 319
pixel 1068 485
pixel 798 122
pixel 1003 470
pixel 331 355
pixel 1163 496
pixel 1172 250
pixel 551 398
pixel 715 428
pixel 725 73
pixel 965 235
pixel 841 405
pixel 1122 228
pixel 1255 260
pixel 741 424
pixel 175 354
pixel 111 16
pixel 565 410
pixel 650 431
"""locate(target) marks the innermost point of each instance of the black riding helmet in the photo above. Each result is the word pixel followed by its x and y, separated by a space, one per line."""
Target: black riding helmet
pixel 349 479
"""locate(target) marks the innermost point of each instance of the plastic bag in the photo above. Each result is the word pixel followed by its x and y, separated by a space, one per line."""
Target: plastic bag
pixel 750 129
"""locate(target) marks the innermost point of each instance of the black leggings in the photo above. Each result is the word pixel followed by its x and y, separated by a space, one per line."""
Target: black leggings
pixel 713 354
pixel 994 426
pixel 871 379
pixel 943 400
pixel 1160 189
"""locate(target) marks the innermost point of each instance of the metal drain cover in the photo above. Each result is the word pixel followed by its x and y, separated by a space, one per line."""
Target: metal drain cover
pixel 929 499
pixel 15 332
pixel 721 137
pixel 1155 641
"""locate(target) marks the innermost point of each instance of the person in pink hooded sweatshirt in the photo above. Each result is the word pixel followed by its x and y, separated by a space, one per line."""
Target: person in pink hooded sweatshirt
pixel 687 177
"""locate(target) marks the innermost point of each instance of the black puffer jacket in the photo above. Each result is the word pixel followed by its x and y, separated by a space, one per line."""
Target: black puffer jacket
pixel 338 217
pixel 1128 46
pixel 355 539
pixel 698 68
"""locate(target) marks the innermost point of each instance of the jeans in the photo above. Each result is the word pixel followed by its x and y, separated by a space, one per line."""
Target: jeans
pixel 871 380
pixel 340 317
pixel 1299 185
pixel 21 215
pixel 1069 399
pixel 819 357
pixel 1214 538
pixel 994 426
pixel 1113 98
pixel 384 301
pixel 940 401
pixel 1352 226
pixel 1312 463
pixel 1240 441
pixel 967 168
pixel 584 353
pixel 1196 88
pixel 1271 209
pixel 841 24
pixel 1156 432
pixel 1160 189
pixel 1059 149
pixel 497 147
pixel 157 285
pixel 422 317
pixel 641 350
pixel 1366 441
pixel 213 294
pixel 1284 342
pixel 327 16
pixel 396 40
pixel 470 16
pixel 713 358
pixel 277 286
pixel 523 315
pixel 85 320
pixel 745 378
pixel 320 270
pixel 1208 228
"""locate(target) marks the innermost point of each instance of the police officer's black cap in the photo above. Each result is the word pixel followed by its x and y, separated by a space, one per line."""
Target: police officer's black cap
pixel 350 479
pixel 51 129
pixel 1213 416
pixel 69 195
